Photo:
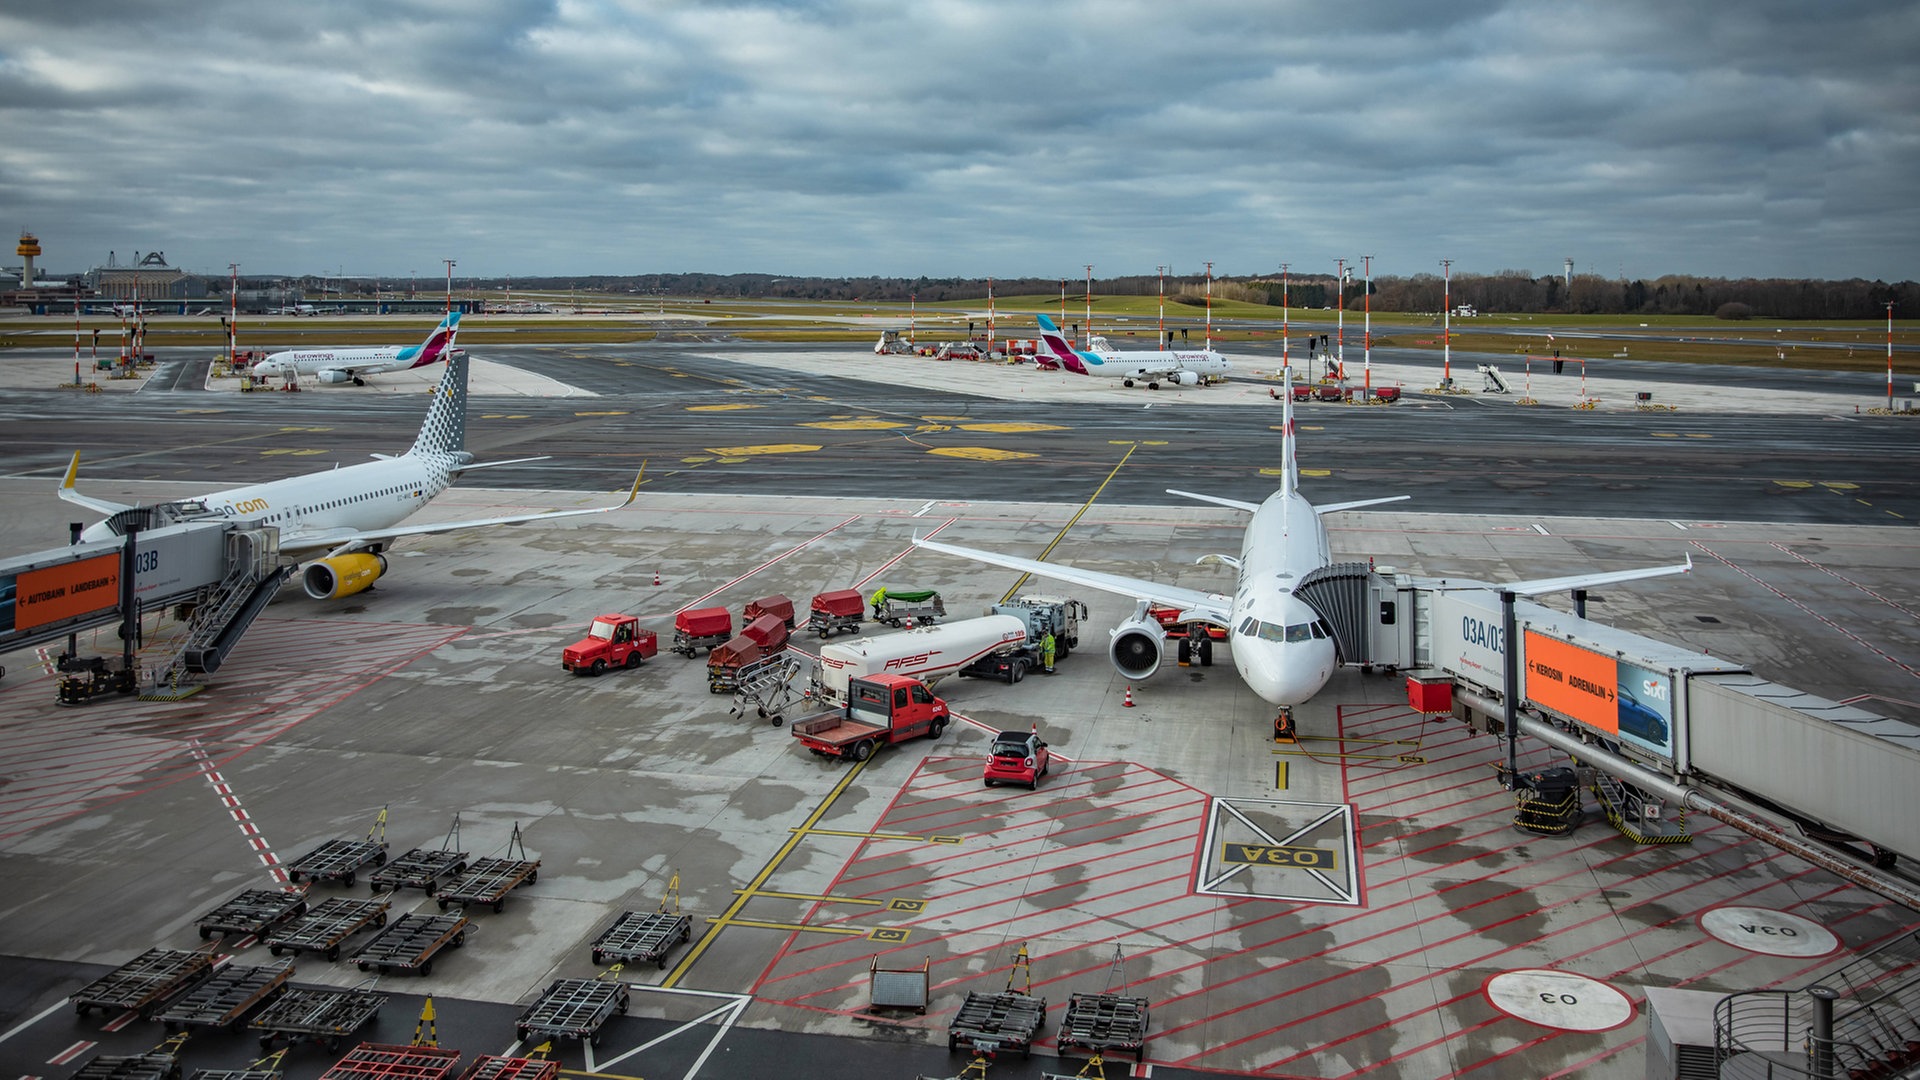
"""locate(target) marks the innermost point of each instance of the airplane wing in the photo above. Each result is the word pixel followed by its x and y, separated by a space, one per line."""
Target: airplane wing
pixel 1211 607
pixel 72 495
pixel 341 542
pixel 1235 504
pixel 1337 507
pixel 1588 581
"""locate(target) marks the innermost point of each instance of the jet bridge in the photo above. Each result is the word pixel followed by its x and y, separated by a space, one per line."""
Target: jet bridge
pixel 1843 774
pixel 223 570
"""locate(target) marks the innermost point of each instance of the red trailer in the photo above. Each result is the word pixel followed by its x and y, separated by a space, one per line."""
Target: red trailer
pixel 777 604
pixel 701 628
pixel 760 639
pixel 841 609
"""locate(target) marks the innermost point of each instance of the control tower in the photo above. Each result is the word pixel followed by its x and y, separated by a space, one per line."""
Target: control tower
pixel 29 250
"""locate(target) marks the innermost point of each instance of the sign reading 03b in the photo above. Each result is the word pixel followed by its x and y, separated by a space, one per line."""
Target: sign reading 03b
pixel 1281 855
pixel 1573 682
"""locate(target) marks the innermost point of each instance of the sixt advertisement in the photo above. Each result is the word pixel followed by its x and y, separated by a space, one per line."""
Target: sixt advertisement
pixel 1646 708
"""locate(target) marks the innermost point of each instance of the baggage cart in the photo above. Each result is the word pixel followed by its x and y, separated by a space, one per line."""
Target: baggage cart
pixel 376 1061
pixel 642 935
pixel 900 988
pixel 236 1074
pixel 419 868
pixel 145 983
pixel 160 1063
pixel 924 608
pixel 701 628
pixel 778 605
pixel 322 1015
pixel 573 1009
pixel 323 929
pixel 255 911
pixel 1104 1023
pixel 991 1022
pixel 410 942
pixel 223 1000
pixel 337 860
pixel 489 1067
pixel 488 881
pixel 841 609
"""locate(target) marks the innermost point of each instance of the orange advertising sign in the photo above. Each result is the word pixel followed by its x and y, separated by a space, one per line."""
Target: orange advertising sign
pixel 1573 682
pixel 62 592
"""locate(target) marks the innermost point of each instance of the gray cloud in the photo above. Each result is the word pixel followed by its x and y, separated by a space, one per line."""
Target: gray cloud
pixel 966 137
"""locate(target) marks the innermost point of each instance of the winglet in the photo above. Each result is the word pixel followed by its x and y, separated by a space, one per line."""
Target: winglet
pixel 635 493
pixel 73 472
pixel 72 494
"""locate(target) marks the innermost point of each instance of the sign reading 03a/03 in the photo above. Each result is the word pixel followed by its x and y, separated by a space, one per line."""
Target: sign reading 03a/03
pixel 1281 855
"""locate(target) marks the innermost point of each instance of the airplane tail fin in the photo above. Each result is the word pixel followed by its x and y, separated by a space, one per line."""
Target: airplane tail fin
pixel 440 342
pixel 445 429
pixel 1062 354
pixel 1289 465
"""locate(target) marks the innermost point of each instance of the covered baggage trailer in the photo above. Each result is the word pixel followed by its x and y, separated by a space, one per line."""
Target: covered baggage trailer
pixel 832 612
pixel 322 1015
pixel 411 942
pixel 763 637
pixel 145 983
pixel 701 628
pixel 573 1009
pixel 642 935
pixel 255 911
pixel 324 928
pixel 224 1000
pixel 777 605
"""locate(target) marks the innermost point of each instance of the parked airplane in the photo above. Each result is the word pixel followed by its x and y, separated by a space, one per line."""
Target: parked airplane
pixel 1176 368
pixel 1281 646
pixel 339 521
pixel 297 310
pixel 353 365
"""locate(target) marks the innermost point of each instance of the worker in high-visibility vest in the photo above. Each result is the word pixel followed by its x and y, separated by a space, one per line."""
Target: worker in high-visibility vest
pixel 1046 653
pixel 879 601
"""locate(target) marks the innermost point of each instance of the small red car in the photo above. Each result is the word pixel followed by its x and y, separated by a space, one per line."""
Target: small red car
pixel 1017 757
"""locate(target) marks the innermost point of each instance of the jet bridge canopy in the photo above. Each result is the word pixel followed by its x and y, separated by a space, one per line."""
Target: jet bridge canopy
pixel 1341 593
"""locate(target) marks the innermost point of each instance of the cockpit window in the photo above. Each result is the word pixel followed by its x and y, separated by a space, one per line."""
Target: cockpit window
pixel 1272 632
pixel 1320 630
pixel 1300 632
pixel 1247 627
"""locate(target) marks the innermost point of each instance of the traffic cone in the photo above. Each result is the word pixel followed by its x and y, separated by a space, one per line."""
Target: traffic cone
pixel 656 577
pixel 1127 702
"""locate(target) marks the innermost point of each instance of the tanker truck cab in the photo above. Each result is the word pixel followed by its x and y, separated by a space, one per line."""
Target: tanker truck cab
pixel 880 709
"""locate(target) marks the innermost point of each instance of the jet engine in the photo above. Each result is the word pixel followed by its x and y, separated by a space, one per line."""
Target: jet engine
pixel 334 376
pixel 1185 378
pixel 1137 647
pixel 342 575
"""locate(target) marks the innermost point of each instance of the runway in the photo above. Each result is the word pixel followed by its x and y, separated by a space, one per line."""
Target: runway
pixel 438 693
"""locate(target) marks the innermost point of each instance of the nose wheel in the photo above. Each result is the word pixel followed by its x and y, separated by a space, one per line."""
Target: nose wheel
pixel 1283 726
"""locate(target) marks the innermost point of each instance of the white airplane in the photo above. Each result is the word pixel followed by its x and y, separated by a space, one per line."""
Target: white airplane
pixel 353 365
pixel 297 310
pixel 339 521
pixel 1281 646
pixel 1181 367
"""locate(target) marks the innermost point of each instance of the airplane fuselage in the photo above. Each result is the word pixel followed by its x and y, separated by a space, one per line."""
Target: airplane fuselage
pixel 1280 645
pixel 370 361
pixel 1146 364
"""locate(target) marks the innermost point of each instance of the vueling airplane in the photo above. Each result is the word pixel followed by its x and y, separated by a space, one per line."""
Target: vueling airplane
pixel 354 365
pixel 1181 367
pixel 1281 646
pixel 339 521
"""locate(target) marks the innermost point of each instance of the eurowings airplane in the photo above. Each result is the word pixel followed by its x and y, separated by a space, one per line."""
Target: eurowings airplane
pixel 1181 367
pixel 339 521
pixel 354 365
pixel 1281 646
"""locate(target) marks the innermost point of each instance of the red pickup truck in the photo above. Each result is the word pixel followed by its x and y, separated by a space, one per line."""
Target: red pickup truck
pixel 880 709
pixel 611 641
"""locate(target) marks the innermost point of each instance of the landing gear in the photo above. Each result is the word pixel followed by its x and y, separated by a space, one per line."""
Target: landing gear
pixel 1283 726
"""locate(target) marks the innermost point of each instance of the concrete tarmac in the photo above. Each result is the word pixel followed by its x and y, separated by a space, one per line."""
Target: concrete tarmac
pixel 438 693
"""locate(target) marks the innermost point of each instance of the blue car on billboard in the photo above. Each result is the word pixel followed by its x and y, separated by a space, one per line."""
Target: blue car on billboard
pixel 1641 721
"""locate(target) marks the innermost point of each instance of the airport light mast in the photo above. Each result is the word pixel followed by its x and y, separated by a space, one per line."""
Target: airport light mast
pixel 1089 305
pixel 1063 301
pixel 449 263
pixel 1889 356
pixel 989 313
pixel 1209 334
pixel 76 337
pixel 1366 348
pixel 1340 316
pixel 233 314
pixel 1446 323
pixel 1286 355
pixel 1162 328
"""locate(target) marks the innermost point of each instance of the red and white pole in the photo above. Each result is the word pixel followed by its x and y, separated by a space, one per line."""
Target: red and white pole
pixel 1889 356
pixel 233 314
pixel 1340 317
pixel 1367 342
pixel 1161 328
pixel 1286 355
pixel 989 313
pixel 1446 322
pixel 1089 305
pixel 76 337
pixel 449 263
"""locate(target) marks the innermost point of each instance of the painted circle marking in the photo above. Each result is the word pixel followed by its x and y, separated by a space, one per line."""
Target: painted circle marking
pixel 1560 1000
pixel 1769 932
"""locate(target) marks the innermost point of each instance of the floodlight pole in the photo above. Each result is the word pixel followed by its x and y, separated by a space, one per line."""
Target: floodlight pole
pixel 1889 356
pixel 1340 316
pixel 1209 334
pixel 76 337
pixel 1162 328
pixel 989 313
pixel 449 263
pixel 233 314
pixel 1366 348
pixel 1446 322
pixel 1286 358
pixel 1089 330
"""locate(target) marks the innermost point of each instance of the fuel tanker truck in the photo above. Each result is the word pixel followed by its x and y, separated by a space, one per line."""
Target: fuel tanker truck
pixel 992 644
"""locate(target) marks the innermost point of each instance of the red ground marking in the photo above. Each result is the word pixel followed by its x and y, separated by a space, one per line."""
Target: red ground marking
pixel 71 1052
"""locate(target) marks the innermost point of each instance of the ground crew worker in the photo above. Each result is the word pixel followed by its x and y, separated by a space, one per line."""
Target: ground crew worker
pixel 879 601
pixel 1046 653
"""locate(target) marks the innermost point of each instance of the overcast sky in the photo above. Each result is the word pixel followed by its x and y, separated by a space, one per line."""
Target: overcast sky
pixel 966 137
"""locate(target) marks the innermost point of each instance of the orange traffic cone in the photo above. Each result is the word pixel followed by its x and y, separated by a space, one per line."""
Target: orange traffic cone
pixel 1127 703
pixel 656 577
